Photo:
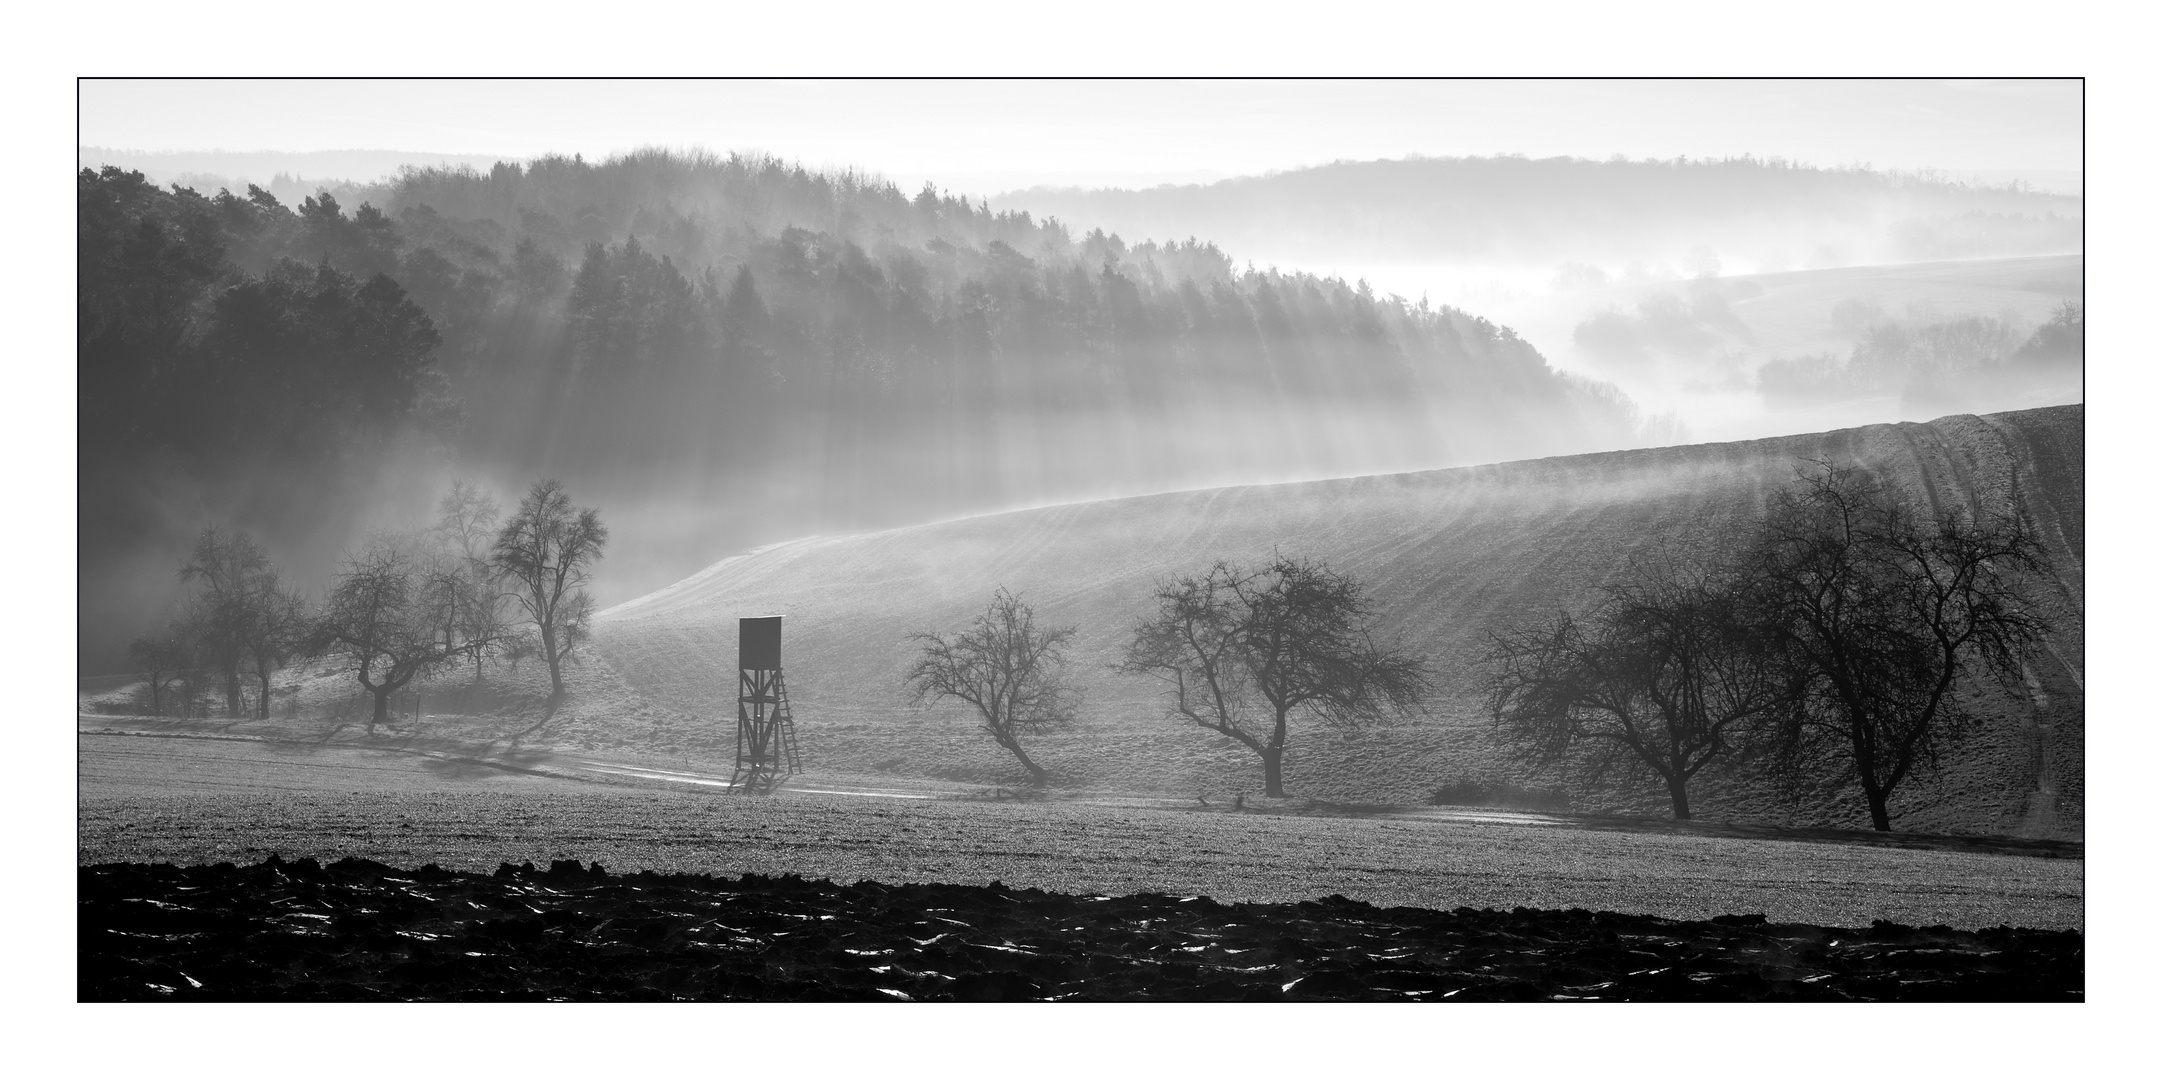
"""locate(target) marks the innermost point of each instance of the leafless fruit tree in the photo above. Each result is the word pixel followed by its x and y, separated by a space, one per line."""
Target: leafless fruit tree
pixel 1668 675
pixel 1007 667
pixel 163 660
pixel 547 550
pixel 244 617
pixel 464 533
pixel 1884 609
pixel 1243 649
pixel 386 617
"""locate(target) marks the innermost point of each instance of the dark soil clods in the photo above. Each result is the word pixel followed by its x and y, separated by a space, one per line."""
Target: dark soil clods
pixel 362 931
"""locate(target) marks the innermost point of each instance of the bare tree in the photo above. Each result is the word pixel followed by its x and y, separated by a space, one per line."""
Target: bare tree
pixel 465 528
pixel 1006 667
pixel 547 550
pixel 275 628
pixel 1884 610
pixel 1244 649
pixel 245 617
pixel 385 617
pixel 1669 674
pixel 163 659
pixel 466 517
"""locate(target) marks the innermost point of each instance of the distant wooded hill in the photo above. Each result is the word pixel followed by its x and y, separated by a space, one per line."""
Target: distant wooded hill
pixel 1694 216
pixel 721 351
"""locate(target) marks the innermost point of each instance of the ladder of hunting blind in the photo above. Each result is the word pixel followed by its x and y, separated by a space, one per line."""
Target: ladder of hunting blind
pixel 786 724
pixel 774 754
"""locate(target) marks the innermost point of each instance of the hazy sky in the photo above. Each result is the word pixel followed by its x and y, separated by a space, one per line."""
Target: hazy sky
pixel 989 136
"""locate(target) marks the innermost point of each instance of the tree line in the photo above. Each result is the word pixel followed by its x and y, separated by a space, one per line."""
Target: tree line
pixel 1510 208
pixel 1836 649
pixel 716 301
pixel 705 326
pixel 1943 364
pixel 466 589
pixel 688 316
pixel 669 310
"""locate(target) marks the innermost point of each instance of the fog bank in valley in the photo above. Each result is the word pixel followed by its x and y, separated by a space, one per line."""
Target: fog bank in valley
pixel 1742 297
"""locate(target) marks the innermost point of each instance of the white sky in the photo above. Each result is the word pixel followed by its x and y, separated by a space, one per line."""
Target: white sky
pixel 989 136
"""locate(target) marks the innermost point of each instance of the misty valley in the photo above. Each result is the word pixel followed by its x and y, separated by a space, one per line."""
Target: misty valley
pixel 1691 607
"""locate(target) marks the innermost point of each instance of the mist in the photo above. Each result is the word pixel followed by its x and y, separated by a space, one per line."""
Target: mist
pixel 1745 215
pixel 1694 286
pixel 725 352
pixel 722 352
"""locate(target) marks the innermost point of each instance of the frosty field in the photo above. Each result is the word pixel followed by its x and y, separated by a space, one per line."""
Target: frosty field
pixel 193 801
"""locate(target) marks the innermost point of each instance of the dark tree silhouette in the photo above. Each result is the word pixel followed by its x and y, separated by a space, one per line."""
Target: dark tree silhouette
pixel 1670 673
pixel 1006 667
pixel 1244 649
pixel 1884 610
pixel 547 550
pixel 275 632
pixel 245 617
pixel 163 659
pixel 385 617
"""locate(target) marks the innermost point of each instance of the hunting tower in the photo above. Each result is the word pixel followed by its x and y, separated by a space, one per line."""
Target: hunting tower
pixel 765 734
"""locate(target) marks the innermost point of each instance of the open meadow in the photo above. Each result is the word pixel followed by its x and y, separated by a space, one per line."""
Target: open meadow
pixel 1450 557
pixel 228 867
pixel 194 800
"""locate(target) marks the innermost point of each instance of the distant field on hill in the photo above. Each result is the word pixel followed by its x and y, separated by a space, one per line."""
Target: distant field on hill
pixel 1782 316
pixel 1450 555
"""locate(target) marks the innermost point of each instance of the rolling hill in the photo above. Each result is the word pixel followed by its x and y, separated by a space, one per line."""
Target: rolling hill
pixel 1698 346
pixel 1450 554
pixel 1510 210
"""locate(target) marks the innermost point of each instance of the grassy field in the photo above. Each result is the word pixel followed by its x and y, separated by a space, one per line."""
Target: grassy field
pixel 1449 556
pixel 483 775
pixel 1089 848
pixel 197 800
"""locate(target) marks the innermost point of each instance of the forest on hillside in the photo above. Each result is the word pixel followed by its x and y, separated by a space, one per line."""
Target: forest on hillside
pixel 1683 216
pixel 805 350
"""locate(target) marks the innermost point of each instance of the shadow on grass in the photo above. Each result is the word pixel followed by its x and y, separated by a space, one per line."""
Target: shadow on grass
pixel 1992 845
pixel 473 768
pixel 450 747
pixel 554 704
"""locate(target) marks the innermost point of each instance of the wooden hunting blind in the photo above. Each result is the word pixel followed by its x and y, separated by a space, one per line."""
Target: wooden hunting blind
pixel 765 733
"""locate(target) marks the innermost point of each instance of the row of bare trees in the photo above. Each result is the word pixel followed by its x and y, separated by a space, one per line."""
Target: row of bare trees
pixel 1837 647
pixel 467 590
pixel 464 590
pixel 1241 649
pixel 243 621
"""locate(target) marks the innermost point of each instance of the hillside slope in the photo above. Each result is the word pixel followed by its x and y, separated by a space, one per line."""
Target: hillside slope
pixel 675 335
pixel 1450 554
